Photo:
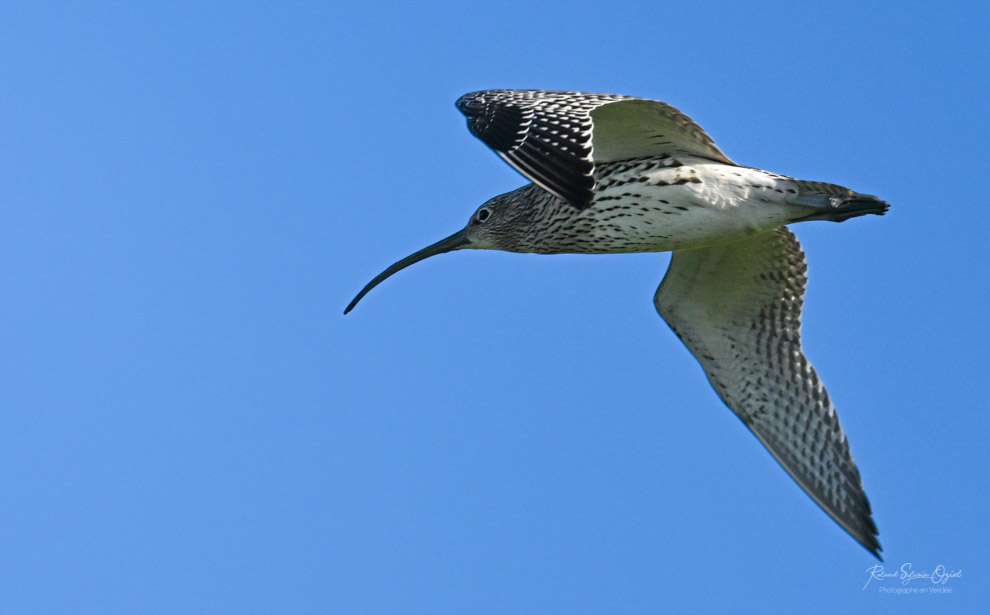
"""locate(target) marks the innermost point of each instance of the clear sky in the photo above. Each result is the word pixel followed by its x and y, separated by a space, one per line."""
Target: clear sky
pixel 191 193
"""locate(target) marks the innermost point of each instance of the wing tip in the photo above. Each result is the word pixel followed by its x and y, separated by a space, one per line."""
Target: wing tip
pixel 867 540
pixel 859 524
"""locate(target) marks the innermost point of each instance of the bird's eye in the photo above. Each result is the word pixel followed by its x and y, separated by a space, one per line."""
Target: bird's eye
pixel 483 214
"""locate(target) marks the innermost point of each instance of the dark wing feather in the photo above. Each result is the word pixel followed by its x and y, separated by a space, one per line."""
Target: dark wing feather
pixel 555 138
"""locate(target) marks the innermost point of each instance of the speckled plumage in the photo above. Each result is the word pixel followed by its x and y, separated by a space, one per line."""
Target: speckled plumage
pixel 620 174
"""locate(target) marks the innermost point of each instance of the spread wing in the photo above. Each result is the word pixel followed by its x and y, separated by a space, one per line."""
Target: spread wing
pixel 555 138
pixel 737 308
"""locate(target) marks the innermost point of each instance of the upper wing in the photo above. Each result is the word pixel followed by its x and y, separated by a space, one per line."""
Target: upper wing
pixel 737 308
pixel 555 138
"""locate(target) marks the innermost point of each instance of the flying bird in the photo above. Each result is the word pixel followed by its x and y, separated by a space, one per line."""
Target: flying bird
pixel 613 174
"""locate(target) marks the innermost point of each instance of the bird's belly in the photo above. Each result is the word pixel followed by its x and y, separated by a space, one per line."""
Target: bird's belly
pixel 687 207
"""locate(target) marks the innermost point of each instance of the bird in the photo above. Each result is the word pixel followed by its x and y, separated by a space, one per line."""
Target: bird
pixel 615 174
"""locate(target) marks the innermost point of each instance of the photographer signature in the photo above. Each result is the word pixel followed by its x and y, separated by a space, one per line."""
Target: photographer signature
pixel 906 573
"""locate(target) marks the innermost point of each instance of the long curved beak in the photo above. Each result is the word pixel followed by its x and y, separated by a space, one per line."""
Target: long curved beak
pixel 455 242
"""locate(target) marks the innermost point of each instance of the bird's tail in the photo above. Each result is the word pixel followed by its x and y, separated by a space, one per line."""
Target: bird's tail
pixel 836 204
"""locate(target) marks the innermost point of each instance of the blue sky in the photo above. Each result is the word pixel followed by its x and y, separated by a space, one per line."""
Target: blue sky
pixel 190 195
